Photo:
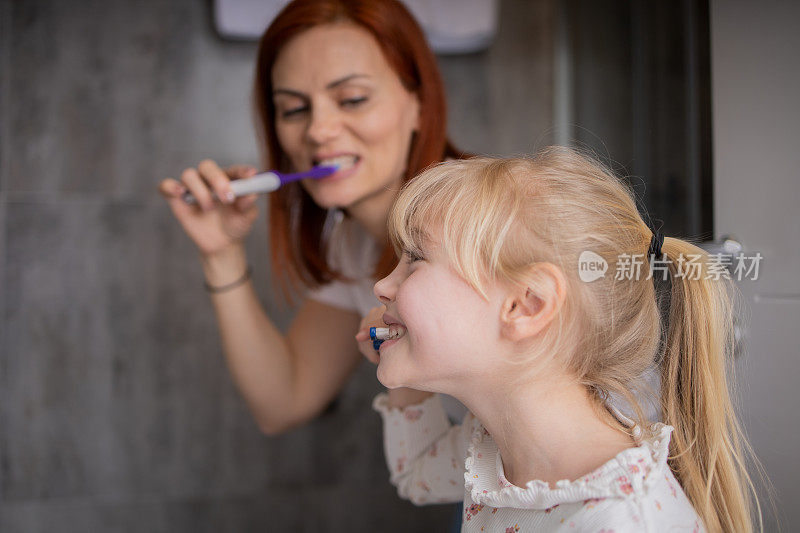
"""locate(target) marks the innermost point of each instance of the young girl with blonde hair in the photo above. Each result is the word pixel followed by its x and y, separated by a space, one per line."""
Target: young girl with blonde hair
pixel 489 305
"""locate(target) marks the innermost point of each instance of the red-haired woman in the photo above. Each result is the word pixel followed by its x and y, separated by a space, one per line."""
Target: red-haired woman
pixel 350 82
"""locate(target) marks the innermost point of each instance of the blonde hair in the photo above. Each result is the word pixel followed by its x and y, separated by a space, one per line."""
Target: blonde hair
pixel 496 218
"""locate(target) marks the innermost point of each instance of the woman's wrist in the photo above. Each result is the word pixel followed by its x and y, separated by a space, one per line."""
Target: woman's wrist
pixel 225 267
pixel 403 397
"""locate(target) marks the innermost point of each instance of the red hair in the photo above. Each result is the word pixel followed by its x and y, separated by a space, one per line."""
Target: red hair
pixel 299 245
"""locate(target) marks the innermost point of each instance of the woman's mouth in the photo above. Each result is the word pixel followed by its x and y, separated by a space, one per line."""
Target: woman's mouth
pixel 348 165
pixel 344 162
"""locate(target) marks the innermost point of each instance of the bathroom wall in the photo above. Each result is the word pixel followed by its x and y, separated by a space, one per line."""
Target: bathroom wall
pixel 116 409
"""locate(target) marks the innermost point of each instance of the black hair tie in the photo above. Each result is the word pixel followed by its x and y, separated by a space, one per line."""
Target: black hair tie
pixel 663 290
pixel 656 241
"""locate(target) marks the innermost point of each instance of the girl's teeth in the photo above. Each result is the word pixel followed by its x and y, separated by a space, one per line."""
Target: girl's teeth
pixel 396 331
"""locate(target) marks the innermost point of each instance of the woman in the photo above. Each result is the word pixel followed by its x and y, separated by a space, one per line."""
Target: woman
pixel 345 82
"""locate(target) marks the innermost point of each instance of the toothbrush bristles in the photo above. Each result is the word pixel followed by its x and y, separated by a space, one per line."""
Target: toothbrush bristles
pixel 379 334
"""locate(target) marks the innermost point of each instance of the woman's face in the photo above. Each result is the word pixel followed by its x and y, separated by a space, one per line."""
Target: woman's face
pixel 337 100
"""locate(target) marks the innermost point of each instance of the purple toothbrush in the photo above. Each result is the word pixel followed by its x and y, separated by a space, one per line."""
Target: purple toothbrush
pixel 269 181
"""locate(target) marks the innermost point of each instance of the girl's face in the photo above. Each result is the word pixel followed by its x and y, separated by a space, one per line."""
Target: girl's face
pixel 337 100
pixel 451 332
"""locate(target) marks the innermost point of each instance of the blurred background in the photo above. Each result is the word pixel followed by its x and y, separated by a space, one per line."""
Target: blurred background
pixel 116 409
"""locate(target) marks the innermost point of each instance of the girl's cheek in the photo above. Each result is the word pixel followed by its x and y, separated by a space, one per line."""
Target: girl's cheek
pixel 405 301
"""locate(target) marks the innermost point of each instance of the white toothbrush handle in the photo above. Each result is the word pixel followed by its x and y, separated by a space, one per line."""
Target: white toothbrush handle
pixel 260 183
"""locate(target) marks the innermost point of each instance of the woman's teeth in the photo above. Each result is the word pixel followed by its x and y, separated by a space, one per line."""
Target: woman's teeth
pixel 396 331
pixel 343 161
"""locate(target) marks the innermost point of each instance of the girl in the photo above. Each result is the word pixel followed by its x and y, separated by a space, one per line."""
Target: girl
pixel 488 305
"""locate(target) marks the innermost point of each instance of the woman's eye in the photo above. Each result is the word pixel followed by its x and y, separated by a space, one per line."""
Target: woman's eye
pixel 293 111
pixel 353 102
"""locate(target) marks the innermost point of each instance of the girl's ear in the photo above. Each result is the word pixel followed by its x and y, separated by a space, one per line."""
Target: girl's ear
pixel 527 310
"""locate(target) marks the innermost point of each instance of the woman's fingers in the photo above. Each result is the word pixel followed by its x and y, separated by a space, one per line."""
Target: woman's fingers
pixel 195 184
pixel 368 350
pixel 373 318
pixel 218 180
pixel 173 190
pixel 245 203
pixel 170 188
pixel 209 180
pixel 238 172
pixel 212 227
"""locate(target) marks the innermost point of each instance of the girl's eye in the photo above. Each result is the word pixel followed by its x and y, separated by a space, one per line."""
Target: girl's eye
pixel 353 102
pixel 412 256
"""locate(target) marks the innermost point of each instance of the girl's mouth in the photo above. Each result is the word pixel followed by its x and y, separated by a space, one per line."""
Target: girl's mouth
pixel 396 331
pixel 382 337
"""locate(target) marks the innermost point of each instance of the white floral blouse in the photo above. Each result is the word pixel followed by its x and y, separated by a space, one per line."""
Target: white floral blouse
pixel 432 461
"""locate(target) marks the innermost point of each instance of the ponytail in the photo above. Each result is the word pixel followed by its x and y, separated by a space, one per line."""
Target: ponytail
pixel 706 451
pixel 609 330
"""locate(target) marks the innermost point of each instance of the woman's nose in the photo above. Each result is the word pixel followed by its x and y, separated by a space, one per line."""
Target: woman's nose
pixel 325 125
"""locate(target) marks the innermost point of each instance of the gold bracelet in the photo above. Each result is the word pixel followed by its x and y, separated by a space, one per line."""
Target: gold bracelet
pixel 231 285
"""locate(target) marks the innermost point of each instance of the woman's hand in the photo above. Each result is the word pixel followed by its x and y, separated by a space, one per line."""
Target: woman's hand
pixel 213 225
pixel 373 319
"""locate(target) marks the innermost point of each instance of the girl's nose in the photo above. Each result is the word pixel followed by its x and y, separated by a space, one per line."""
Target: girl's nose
pixel 385 289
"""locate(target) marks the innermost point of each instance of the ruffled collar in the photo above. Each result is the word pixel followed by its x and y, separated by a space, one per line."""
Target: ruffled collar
pixel 631 471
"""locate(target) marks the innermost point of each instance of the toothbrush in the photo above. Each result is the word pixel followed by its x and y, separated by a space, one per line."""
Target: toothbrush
pixel 378 335
pixel 268 181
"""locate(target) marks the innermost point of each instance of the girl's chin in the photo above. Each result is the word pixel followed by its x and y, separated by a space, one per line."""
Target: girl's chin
pixel 386 378
pixel 382 377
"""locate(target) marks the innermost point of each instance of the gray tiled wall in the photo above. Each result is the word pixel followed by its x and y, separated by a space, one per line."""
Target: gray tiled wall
pixel 116 409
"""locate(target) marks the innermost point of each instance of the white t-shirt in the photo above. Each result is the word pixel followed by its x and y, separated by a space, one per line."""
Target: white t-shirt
pixel 354 252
